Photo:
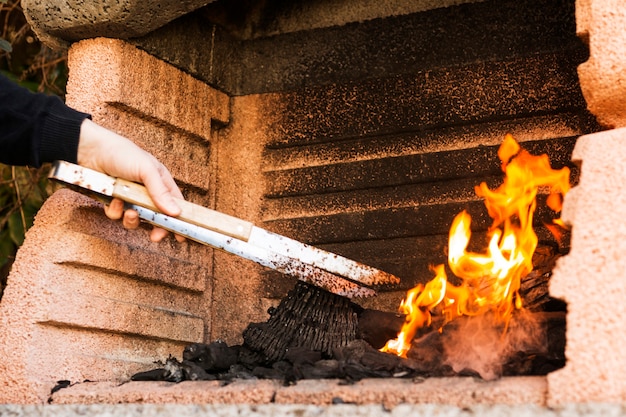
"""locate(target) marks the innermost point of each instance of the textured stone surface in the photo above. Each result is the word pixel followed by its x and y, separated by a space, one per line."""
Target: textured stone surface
pixel 187 392
pixel 601 23
pixel 167 112
pixel 591 278
pixel 71 20
pixel 386 47
pixel 299 410
pixel 76 308
pixel 458 392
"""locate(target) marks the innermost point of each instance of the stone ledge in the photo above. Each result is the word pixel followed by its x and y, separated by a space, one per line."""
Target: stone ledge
pixel 460 392
pixel 601 24
pixel 71 20
pixel 297 410
pixel 196 392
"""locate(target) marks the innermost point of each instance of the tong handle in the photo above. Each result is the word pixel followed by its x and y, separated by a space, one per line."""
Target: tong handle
pixel 134 193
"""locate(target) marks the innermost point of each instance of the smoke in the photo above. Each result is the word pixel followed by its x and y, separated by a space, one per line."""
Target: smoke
pixel 479 344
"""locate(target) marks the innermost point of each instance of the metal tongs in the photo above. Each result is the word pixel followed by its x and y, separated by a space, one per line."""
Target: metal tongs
pixel 324 269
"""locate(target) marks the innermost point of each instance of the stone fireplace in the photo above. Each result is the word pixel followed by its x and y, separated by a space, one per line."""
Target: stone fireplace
pixel 355 126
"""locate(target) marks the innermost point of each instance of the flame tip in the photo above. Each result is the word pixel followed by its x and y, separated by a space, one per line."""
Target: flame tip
pixel 489 281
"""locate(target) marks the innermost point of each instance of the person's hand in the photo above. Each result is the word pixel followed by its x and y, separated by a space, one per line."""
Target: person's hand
pixel 112 154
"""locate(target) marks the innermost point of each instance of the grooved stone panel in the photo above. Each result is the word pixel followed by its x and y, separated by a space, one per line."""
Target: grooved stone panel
pixel 169 113
pixel 88 299
pixel 78 307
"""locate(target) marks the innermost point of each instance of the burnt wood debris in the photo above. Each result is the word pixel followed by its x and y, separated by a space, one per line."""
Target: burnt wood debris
pixel 314 334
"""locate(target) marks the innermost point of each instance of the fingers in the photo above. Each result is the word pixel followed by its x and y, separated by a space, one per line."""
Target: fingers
pixel 131 219
pixel 157 234
pixel 115 209
pixel 115 155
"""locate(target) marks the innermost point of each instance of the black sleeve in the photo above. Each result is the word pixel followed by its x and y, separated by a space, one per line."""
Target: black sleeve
pixel 36 128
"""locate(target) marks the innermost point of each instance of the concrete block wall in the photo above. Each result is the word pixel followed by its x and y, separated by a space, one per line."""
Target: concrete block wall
pixel 600 23
pixel 80 304
pixel 87 299
pixel 591 277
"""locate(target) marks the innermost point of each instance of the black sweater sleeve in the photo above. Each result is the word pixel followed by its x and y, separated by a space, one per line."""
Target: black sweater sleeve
pixel 36 128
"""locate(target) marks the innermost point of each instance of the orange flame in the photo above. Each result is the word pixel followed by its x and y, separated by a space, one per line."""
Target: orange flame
pixel 491 280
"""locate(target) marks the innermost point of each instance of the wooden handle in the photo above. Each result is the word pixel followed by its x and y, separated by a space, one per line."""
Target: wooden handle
pixel 192 213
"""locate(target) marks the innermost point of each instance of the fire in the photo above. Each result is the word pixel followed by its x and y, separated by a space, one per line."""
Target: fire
pixel 490 281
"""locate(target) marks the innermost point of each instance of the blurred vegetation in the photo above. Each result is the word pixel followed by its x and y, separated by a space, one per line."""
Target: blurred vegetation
pixel 33 65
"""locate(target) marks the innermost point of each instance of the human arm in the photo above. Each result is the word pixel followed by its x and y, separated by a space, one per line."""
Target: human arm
pixel 35 128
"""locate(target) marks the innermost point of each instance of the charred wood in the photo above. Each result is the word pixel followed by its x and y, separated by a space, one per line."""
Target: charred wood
pixel 307 316
pixel 377 327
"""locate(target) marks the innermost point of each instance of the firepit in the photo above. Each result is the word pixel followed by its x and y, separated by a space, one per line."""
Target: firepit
pixel 361 131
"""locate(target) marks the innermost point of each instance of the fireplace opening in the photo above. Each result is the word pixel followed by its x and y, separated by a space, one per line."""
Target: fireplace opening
pixel 487 313
pixel 372 155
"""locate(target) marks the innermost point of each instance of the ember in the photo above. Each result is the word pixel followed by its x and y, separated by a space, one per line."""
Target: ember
pixel 490 282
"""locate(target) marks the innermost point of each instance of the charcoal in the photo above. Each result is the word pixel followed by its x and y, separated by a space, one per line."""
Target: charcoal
pixel 376 327
pixel 353 351
pixel 301 355
pixel 384 362
pixel 237 372
pixel 323 369
pixel 313 334
pixel 214 357
pixel 339 400
pixel 427 351
pixel 534 286
pixel 357 372
pixel 173 370
pixel 193 372
pixel 284 367
pixel 468 372
pixel 157 374
pixel 281 370
pixel 251 358
pixel 64 383
pixel 268 373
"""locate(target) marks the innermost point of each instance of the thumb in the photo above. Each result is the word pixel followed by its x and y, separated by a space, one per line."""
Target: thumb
pixel 163 190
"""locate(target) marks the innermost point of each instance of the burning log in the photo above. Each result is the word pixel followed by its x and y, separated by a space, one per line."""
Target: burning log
pixel 534 286
pixel 307 316
pixel 319 320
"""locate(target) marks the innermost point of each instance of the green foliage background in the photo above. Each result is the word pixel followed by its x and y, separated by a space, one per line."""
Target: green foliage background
pixel 31 64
